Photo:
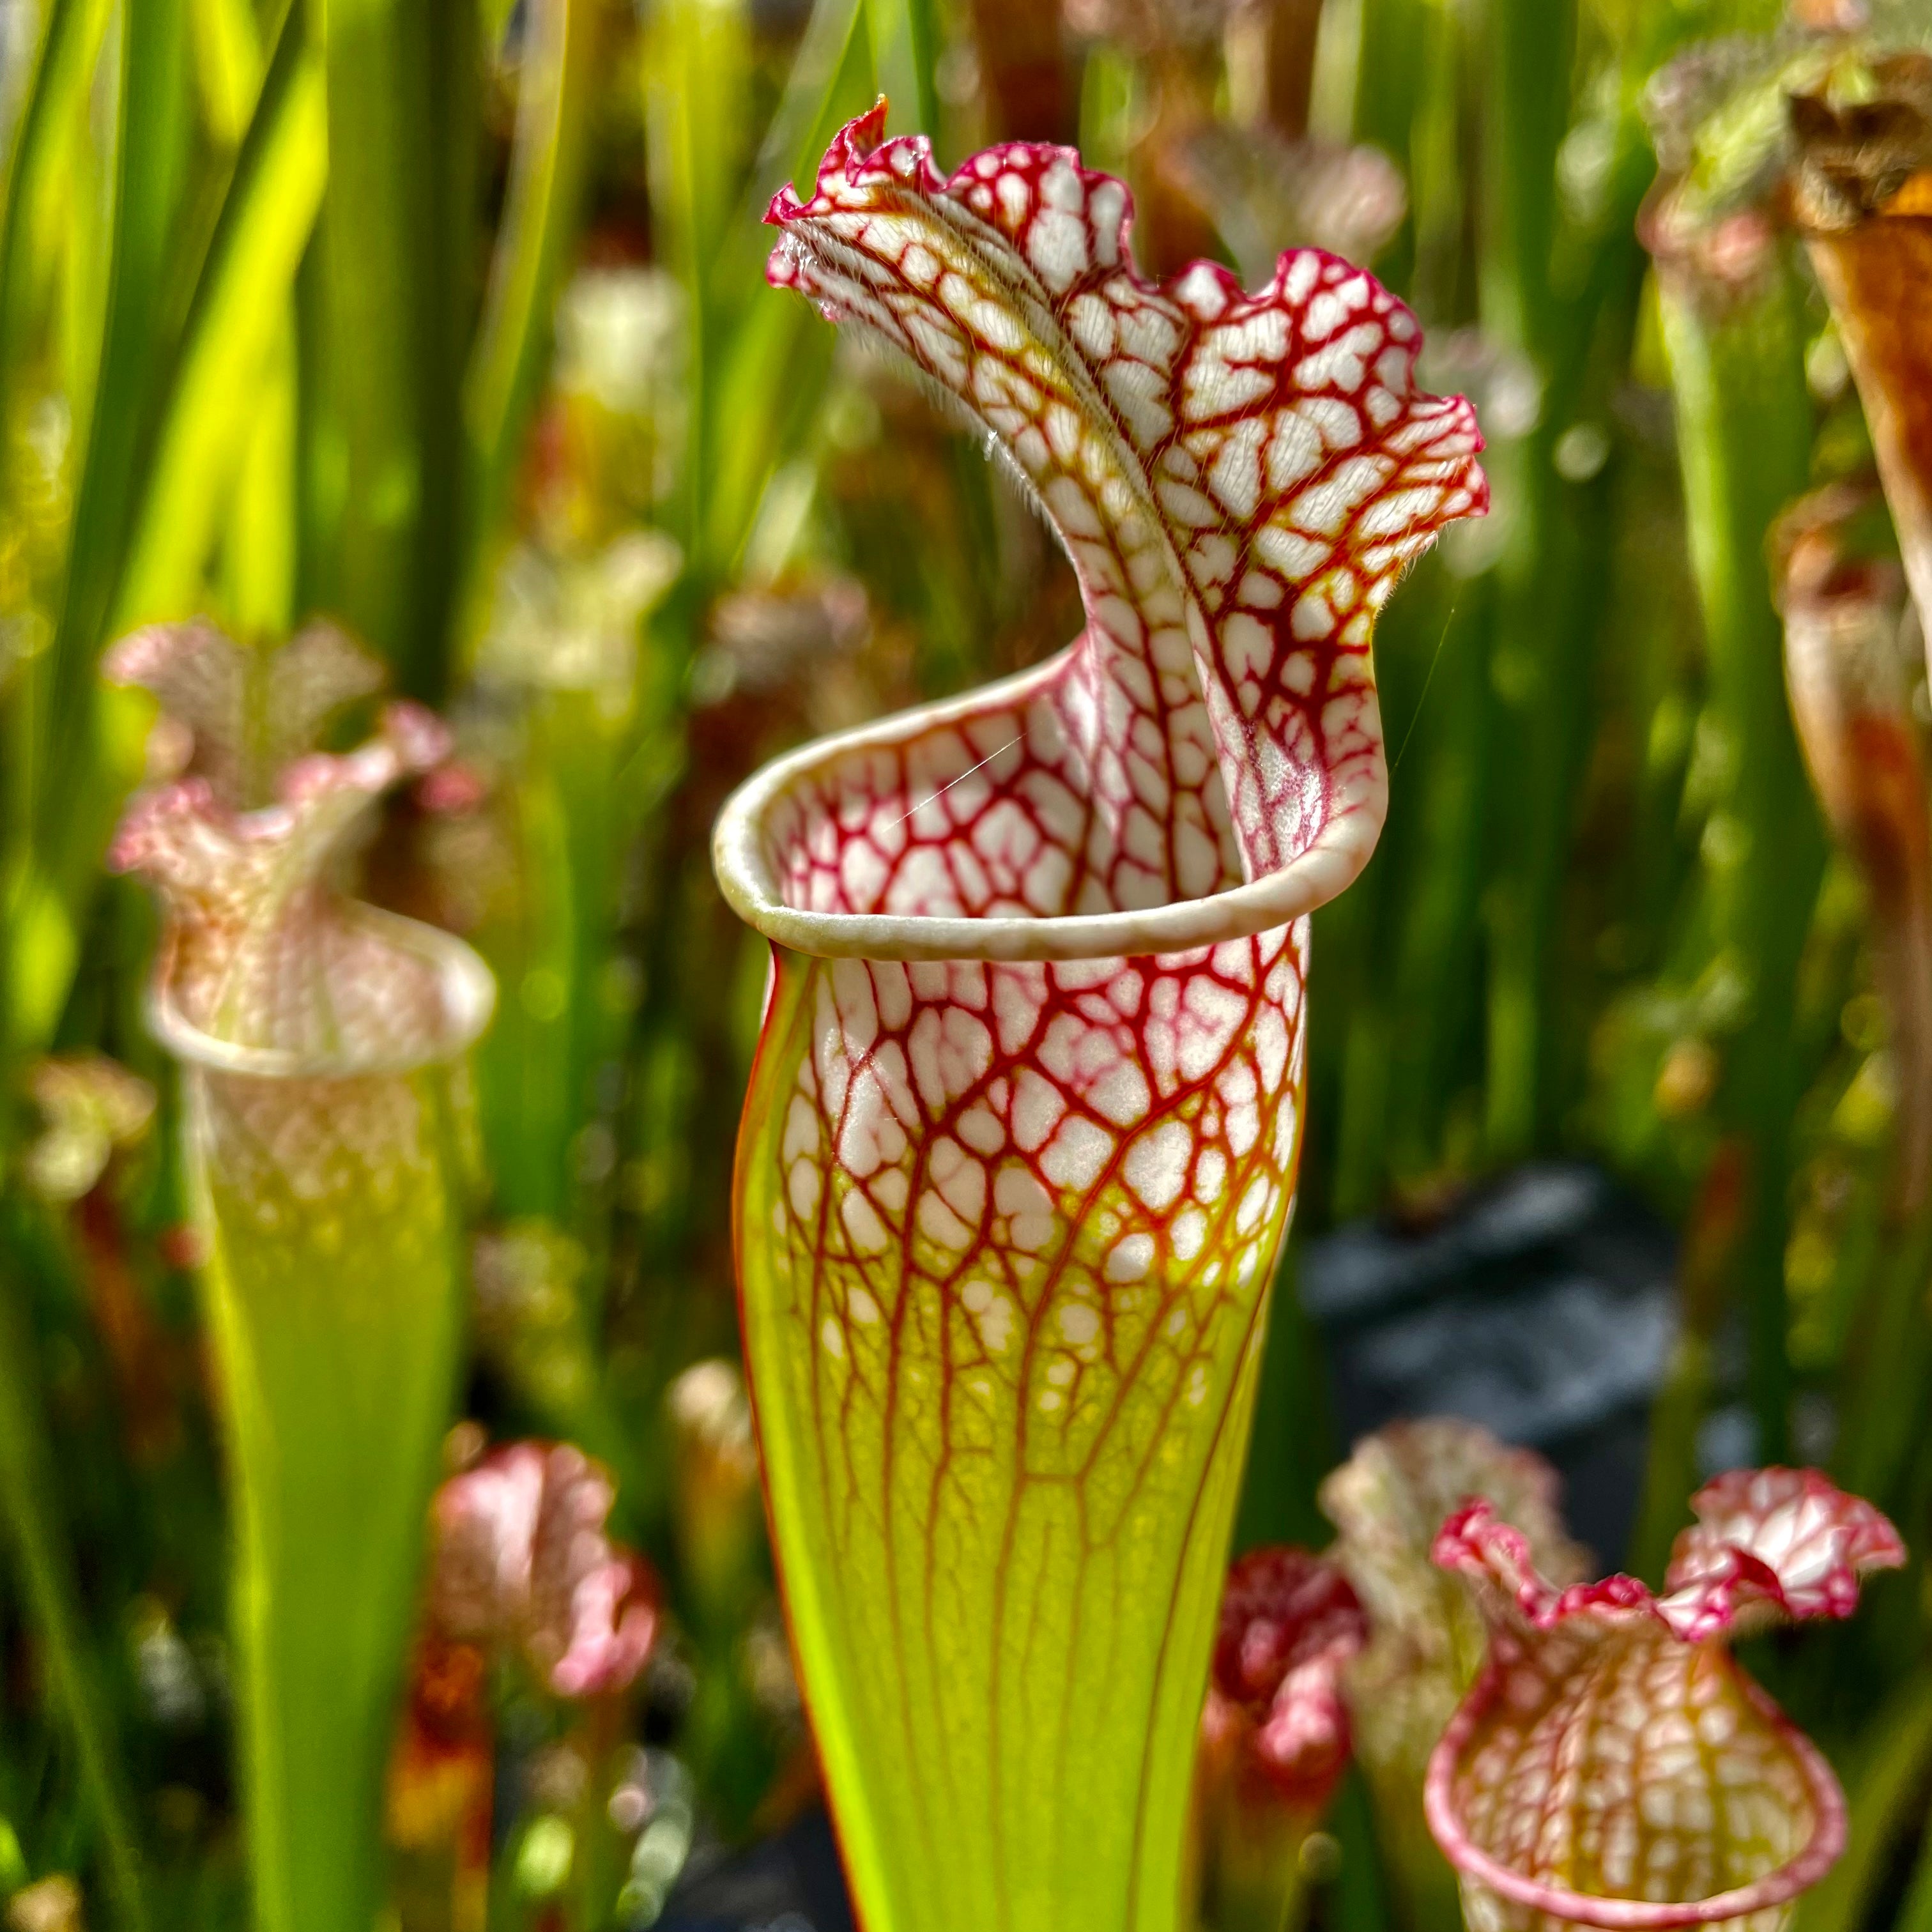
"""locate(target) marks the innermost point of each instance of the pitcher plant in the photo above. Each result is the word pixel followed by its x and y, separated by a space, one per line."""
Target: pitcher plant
pixel 1612 1764
pixel 1021 1136
pixel 319 1040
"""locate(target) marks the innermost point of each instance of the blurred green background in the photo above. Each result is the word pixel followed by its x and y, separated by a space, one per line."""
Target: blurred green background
pixel 447 318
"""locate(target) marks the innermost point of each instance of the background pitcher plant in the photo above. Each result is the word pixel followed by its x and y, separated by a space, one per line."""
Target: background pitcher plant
pixel 317 1037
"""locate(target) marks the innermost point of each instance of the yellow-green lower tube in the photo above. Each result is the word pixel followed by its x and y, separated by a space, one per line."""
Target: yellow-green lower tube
pixel 1004 1410
pixel 333 1286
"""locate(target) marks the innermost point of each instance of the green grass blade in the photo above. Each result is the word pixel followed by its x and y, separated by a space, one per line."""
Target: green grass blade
pixel 766 375
pixel 904 42
pixel 63 65
pixel 28 1485
pixel 228 65
pixel 69 811
pixel 394 294
pixel 1744 422
pixel 554 107
pixel 159 221
pixel 796 136
pixel 695 86
pixel 155 130
pixel 213 401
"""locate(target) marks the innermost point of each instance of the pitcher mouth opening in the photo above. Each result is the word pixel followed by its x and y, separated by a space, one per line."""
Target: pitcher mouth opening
pixel 742 857
pixel 1777 1887
pixel 467 995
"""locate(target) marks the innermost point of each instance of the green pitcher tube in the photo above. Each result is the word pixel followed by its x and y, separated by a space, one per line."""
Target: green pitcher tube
pixel 320 1043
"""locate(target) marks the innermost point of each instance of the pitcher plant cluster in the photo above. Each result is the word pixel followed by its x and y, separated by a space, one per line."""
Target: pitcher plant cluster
pixel 432 1085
